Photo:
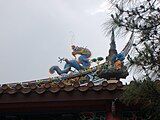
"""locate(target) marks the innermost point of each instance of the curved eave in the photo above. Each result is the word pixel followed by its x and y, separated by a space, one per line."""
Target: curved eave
pixel 89 97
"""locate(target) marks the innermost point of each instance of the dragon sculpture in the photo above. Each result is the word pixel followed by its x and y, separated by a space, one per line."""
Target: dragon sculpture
pixel 81 64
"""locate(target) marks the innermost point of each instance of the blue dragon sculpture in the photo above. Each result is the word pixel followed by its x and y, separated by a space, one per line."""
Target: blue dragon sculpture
pixel 80 64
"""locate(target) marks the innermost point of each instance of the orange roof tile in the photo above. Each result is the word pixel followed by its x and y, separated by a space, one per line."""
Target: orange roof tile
pixel 56 87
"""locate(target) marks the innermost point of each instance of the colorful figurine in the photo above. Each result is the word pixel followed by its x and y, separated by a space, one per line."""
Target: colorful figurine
pixel 120 56
pixel 80 64
pixel 84 53
pixel 117 59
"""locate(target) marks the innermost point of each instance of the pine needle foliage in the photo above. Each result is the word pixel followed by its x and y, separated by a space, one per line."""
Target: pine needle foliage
pixel 144 20
pixel 146 94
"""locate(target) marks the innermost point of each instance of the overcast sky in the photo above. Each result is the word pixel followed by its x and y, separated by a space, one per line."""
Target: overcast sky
pixel 34 33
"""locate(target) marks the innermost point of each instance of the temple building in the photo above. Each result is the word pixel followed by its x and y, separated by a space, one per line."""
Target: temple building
pixel 89 94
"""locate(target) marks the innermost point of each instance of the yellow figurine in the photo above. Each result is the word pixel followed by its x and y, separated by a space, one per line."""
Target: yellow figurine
pixel 118 64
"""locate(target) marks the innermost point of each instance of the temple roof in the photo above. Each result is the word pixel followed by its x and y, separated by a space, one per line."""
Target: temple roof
pixel 48 96
pixel 47 86
pixel 58 96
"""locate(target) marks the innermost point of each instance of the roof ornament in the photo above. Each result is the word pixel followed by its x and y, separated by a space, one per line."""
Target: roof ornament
pixel 112 68
pixel 81 64
pixel 112 44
